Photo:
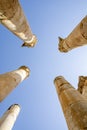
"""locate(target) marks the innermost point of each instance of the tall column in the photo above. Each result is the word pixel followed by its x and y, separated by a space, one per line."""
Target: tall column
pixel 78 37
pixel 12 16
pixel 82 85
pixel 10 80
pixel 8 119
pixel 73 104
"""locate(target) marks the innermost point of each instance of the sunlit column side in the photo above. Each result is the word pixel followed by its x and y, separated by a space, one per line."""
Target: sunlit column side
pixel 10 80
pixel 78 37
pixel 73 104
pixel 8 119
pixel 12 16
pixel 82 85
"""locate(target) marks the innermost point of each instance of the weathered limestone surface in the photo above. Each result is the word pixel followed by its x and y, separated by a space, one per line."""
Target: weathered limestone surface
pixel 12 16
pixel 82 85
pixel 73 104
pixel 78 37
pixel 10 80
pixel 8 119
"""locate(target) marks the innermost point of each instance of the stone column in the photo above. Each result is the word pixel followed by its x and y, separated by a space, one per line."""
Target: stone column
pixel 8 119
pixel 78 37
pixel 73 104
pixel 10 80
pixel 12 16
pixel 82 85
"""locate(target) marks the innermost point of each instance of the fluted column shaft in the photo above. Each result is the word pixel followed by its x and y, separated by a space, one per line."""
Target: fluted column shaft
pixel 73 104
pixel 8 119
pixel 78 37
pixel 12 16
pixel 10 80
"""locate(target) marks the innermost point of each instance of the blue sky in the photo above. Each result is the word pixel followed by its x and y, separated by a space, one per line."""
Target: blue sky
pixel 40 106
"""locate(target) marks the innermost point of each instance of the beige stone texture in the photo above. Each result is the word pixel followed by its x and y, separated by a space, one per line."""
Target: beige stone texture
pixel 13 18
pixel 82 85
pixel 77 38
pixel 8 119
pixel 10 80
pixel 74 105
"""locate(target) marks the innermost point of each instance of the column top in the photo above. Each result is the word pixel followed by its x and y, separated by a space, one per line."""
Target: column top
pixel 13 106
pixel 25 68
pixel 60 80
pixel 30 43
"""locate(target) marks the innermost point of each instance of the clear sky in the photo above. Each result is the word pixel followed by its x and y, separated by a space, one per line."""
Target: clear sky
pixel 48 19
